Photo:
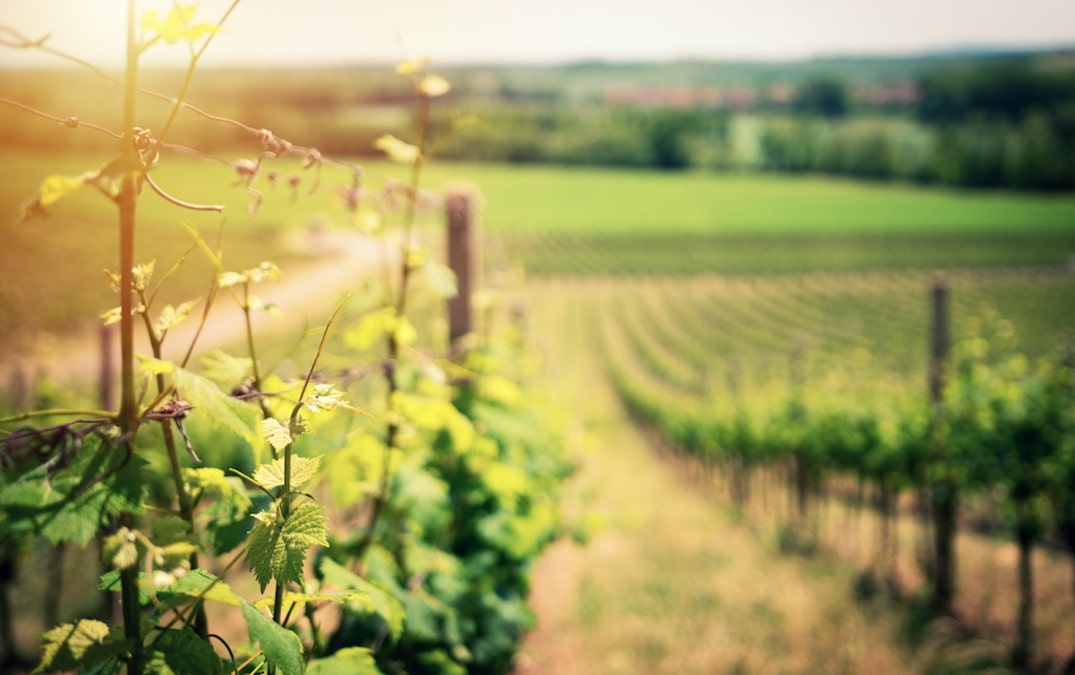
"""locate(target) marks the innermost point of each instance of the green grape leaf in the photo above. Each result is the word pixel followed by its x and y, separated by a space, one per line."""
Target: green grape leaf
pixel 209 478
pixel 199 583
pixel 178 652
pixel 397 150
pixel 78 646
pixel 229 514
pixel 70 505
pixel 292 599
pixel 306 527
pixel 303 469
pixel 325 397
pixel 171 529
pixel 46 511
pixel 347 661
pixel 277 551
pixel 224 411
pixel 226 370
pixel 278 436
pixel 264 549
pixel 170 316
pixel 374 599
pixel 282 648
pixel 265 271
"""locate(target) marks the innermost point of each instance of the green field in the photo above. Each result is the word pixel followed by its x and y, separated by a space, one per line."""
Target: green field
pixel 551 220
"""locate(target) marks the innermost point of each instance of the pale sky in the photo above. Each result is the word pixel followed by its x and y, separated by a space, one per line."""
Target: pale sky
pixel 272 32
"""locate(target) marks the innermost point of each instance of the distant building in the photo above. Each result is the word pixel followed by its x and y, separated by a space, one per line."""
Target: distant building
pixel 738 97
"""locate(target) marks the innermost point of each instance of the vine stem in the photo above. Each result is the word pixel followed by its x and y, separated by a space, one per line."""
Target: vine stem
pixel 285 490
pixel 128 412
pixel 392 432
pixel 186 509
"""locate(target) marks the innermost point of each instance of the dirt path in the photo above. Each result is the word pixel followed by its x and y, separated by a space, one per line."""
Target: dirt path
pixel 307 292
pixel 671 583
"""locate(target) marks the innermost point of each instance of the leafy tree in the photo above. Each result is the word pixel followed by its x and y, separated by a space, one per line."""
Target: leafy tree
pixel 823 96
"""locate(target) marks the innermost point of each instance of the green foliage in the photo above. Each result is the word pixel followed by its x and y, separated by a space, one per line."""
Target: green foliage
pixel 182 651
pixel 73 503
pixel 823 96
pixel 837 418
pixel 455 502
pixel 281 647
pixel 85 644
pixel 276 547
pixel 348 661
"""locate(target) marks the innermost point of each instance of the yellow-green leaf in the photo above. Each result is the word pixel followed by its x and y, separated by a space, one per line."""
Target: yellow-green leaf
pixel 56 187
pixel 413 65
pixel 433 86
pixel 303 469
pixel 176 25
pixel 397 150
pixel 325 397
pixel 141 274
pixel 278 436
pixel 152 366
pixel 112 316
pixel 171 316
pixel 349 660
pixel 282 648
pixel 77 646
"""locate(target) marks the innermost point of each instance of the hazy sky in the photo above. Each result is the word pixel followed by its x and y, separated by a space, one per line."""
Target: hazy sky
pixel 452 31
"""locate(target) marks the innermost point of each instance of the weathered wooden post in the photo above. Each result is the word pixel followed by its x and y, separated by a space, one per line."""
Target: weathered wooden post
pixel 20 388
pixel 939 338
pixel 459 205
pixel 943 491
pixel 106 385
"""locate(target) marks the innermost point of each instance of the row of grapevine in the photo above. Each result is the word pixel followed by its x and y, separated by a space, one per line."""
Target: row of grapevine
pixel 822 381
pixel 627 251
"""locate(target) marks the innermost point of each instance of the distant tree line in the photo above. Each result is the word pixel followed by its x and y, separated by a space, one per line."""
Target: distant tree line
pixel 987 122
pixel 1009 125
pixel 664 138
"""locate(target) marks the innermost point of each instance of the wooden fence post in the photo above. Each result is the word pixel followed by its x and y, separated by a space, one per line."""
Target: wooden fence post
pixel 459 203
pixel 939 339
pixel 20 388
pixel 943 490
pixel 106 387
